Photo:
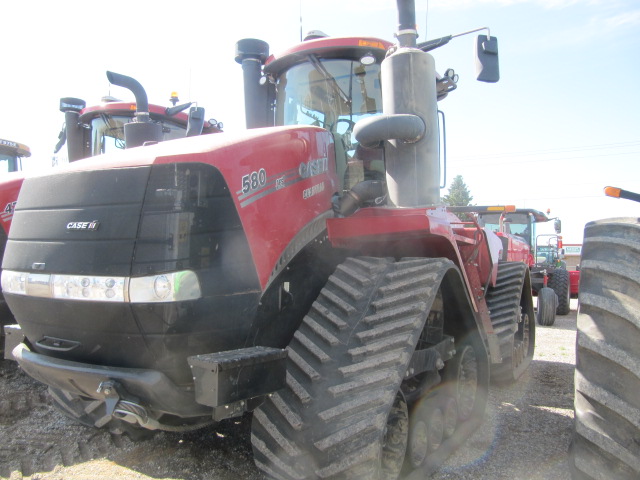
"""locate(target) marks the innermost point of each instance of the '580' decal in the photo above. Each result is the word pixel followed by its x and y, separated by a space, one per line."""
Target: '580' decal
pixel 254 180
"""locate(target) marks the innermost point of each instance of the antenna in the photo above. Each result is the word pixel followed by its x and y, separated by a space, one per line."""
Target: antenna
pixel 300 3
pixel 426 20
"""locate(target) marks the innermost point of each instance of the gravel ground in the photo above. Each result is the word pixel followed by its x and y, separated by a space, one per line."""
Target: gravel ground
pixel 525 434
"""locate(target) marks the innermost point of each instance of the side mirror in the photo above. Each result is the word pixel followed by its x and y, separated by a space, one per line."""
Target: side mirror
pixel 557 225
pixel 487 66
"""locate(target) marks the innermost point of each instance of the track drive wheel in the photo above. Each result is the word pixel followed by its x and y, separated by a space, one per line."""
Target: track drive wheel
pixel 547 301
pixel 606 441
pixel 511 311
pixel 342 414
pixel 560 282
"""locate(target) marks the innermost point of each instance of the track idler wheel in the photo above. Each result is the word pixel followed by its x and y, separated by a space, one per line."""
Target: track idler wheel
pixel 394 443
pixel 418 446
pixel 450 416
pixel 436 429
pixel 464 378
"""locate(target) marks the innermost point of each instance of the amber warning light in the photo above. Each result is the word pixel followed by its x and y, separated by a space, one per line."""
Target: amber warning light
pixel 620 193
pixel 612 192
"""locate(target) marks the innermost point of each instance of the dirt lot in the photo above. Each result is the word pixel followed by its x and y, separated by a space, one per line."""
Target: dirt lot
pixel 525 434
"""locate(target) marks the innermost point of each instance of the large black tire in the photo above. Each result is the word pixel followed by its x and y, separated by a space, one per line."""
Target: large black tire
pixel 512 316
pixel 547 307
pixel 560 282
pixel 341 414
pixel 606 441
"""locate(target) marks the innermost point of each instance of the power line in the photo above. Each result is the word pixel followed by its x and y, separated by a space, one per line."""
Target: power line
pixel 471 160
pixel 555 150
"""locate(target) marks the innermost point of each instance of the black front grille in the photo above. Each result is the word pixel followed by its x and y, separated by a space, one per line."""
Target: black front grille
pixel 47 205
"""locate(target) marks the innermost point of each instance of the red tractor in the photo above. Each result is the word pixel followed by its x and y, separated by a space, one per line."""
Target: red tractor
pixel 92 131
pixel 11 155
pixel 304 270
pixel 550 279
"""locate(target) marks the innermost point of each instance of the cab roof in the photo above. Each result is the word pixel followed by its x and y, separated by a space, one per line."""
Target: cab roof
pixel 329 47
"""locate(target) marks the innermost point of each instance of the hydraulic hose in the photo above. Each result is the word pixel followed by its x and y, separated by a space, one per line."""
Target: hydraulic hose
pixel 360 193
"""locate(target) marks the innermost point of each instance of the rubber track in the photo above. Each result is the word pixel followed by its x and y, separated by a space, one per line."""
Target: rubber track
pixel 503 301
pixel 607 380
pixel 346 363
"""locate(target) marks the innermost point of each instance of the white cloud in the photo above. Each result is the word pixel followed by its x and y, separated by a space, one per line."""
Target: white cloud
pixel 628 19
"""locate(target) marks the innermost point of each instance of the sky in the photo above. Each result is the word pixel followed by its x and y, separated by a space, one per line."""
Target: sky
pixel 562 123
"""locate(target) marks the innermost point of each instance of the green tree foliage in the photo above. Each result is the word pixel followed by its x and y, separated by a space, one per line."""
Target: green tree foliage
pixel 459 195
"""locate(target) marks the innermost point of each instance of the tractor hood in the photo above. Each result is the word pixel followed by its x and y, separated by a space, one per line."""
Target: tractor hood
pixel 141 257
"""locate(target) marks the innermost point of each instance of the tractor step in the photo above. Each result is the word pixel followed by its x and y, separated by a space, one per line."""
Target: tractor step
pixel 228 377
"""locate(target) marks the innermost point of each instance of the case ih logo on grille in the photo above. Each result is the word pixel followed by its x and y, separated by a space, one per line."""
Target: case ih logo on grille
pixel 83 225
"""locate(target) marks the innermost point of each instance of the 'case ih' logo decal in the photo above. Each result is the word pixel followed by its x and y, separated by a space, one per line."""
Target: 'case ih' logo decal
pixel 93 225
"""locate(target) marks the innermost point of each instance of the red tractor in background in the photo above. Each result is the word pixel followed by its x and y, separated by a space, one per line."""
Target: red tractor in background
pixel 544 256
pixel 11 155
pixel 92 131
pixel 606 439
pixel 99 129
pixel 304 270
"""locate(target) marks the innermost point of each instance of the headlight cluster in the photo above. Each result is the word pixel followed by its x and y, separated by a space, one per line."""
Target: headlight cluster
pixel 166 287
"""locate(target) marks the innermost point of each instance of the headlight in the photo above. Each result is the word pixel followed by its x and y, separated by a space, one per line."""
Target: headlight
pixel 166 287
pixel 81 287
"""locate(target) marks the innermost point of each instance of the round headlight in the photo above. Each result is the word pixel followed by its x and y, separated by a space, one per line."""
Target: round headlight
pixel 162 286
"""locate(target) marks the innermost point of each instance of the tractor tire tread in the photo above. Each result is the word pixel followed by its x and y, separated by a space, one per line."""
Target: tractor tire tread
pixel 606 441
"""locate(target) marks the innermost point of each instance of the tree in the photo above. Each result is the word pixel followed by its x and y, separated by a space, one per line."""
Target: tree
pixel 459 195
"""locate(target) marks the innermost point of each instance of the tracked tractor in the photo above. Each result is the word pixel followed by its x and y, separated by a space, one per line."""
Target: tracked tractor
pixel 606 440
pixel 303 270
pixel 544 254
pixel 95 130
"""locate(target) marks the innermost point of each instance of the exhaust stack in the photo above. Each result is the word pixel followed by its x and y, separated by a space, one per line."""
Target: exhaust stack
pixel 142 129
pixel 251 54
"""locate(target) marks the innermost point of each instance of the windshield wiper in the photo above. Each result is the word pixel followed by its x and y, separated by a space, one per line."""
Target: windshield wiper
pixel 329 78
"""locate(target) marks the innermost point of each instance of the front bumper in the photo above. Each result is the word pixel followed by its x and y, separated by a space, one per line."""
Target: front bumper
pixel 152 388
pixel 226 384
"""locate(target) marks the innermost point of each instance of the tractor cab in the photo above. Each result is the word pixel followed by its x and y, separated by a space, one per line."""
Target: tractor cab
pixel 334 93
pixel 331 83
pixel 549 251
pixel 517 221
pixel 11 155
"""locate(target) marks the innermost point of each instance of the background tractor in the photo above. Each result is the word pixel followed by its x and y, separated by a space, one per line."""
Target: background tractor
pixel 99 129
pixel 11 155
pixel 545 257
pixel 92 131
pixel 606 441
pixel 303 270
